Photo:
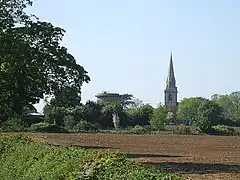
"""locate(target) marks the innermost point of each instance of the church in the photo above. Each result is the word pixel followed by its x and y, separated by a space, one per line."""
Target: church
pixel 170 92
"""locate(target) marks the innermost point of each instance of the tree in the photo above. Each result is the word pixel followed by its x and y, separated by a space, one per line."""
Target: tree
pixel 140 115
pixel 188 109
pixel 67 97
pixel 136 103
pixel 225 102
pixel 158 117
pixel 230 104
pixel 127 100
pixel 92 111
pixel 170 117
pixel 12 13
pixel 209 114
pixel 32 61
pixel 235 108
pixel 55 115
pixel 113 109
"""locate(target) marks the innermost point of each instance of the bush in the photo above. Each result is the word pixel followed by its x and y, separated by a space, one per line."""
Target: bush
pixel 21 158
pixel 138 130
pixel 55 114
pixel 223 130
pixel 149 128
pixel 83 126
pixel 69 122
pixel 15 124
pixel 47 127
pixel 183 130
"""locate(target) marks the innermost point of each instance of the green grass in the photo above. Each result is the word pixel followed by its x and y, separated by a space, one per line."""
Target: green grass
pixel 21 158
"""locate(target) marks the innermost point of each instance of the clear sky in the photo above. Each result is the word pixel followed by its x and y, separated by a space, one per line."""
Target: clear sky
pixel 125 45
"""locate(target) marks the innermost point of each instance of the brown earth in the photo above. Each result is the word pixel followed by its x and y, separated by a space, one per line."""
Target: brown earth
pixel 196 157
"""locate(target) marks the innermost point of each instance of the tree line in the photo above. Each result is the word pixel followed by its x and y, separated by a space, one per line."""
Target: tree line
pixel 194 111
pixel 34 65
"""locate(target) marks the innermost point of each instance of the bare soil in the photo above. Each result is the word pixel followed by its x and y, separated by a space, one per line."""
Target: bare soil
pixel 196 157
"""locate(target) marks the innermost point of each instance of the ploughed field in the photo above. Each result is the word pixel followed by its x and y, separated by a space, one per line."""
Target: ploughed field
pixel 196 157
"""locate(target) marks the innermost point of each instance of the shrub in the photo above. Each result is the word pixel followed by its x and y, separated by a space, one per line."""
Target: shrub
pixel 138 130
pixel 83 126
pixel 55 114
pixel 69 122
pixel 183 130
pixel 15 124
pixel 47 127
pixel 21 158
pixel 223 130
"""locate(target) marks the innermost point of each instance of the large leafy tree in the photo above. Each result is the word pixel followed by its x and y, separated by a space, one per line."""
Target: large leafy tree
pixel 12 13
pixel 188 109
pixel 68 97
pixel 230 104
pixel 209 114
pixel 92 111
pixel 32 61
pixel 158 117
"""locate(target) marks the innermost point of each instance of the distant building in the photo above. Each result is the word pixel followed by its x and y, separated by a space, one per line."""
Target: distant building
pixel 31 115
pixel 170 92
pixel 106 96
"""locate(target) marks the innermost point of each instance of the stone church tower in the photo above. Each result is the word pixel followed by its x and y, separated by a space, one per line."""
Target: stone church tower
pixel 170 99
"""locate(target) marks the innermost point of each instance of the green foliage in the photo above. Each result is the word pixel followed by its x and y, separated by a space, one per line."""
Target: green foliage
pixel 15 124
pixel 138 130
pixel 230 104
pixel 36 161
pixel 91 111
pixel 158 117
pixel 66 97
pixel 33 63
pixel 69 122
pixel 127 100
pixel 115 166
pixel 224 130
pixel 185 130
pixel 140 115
pixel 209 114
pixel 12 12
pixel 113 110
pixel 188 109
pixel 170 117
pixel 83 126
pixel 21 158
pixel 55 115
pixel 111 107
pixel 47 127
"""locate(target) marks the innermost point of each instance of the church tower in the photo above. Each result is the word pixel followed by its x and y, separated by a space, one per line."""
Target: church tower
pixel 170 99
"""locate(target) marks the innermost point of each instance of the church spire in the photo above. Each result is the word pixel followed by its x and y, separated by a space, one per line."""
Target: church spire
pixel 171 82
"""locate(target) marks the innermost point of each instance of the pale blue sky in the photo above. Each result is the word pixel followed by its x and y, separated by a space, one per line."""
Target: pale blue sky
pixel 125 44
